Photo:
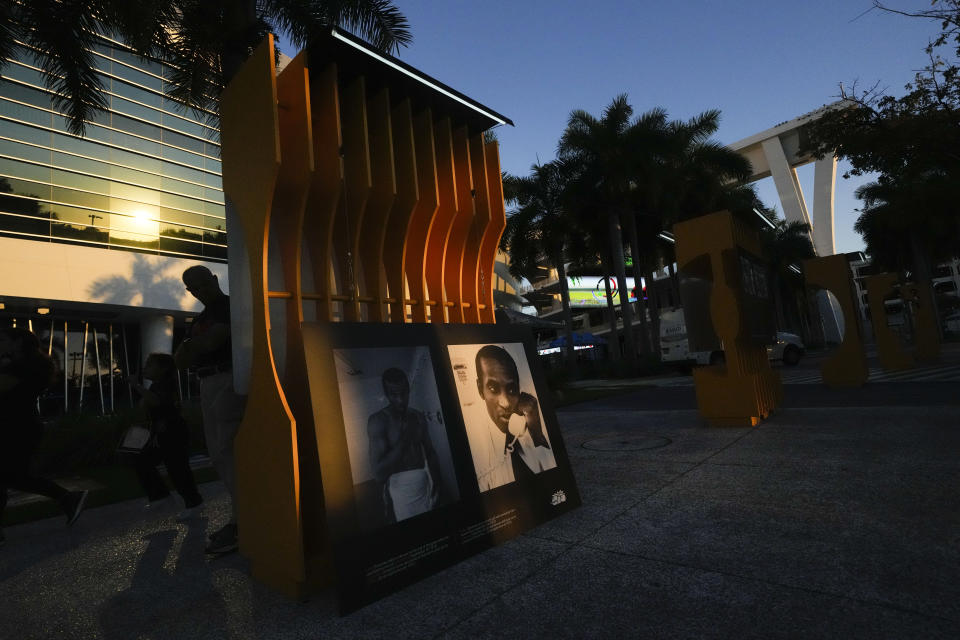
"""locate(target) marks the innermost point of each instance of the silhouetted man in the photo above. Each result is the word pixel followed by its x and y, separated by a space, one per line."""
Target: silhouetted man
pixel 509 442
pixel 207 349
pixel 402 455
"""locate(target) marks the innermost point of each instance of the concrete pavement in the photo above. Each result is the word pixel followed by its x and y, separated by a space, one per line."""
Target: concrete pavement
pixel 841 521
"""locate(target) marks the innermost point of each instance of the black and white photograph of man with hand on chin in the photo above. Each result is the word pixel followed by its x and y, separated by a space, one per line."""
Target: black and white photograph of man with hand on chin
pixel 501 413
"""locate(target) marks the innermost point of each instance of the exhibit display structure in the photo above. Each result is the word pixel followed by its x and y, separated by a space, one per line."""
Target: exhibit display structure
pixel 891 350
pixel 723 251
pixel 488 461
pixel 847 367
pixel 926 337
pixel 364 191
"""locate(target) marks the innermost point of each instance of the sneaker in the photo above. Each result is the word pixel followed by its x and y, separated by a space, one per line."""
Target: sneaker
pixel 223 541
pixel 73 504
pixel 190 513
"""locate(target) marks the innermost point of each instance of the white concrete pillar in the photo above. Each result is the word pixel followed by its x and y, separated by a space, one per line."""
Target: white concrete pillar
pixel 785 179
pixel 824 182
pixel 832 316
pixel 795 210
pixel 156 336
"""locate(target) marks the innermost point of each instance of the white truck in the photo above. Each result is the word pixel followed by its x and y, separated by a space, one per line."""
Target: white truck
pixel 675 349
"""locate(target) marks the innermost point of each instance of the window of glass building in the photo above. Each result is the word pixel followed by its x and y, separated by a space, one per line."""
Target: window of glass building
pixel 146 176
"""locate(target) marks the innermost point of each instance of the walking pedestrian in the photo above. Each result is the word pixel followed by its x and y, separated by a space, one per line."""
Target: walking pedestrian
pixel 170 437
pixel 25 372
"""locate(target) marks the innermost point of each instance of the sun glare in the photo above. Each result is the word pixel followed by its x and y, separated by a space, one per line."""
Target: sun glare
pixel 138 222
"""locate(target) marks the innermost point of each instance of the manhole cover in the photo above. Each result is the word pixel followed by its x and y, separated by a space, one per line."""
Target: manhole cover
pixel 626 443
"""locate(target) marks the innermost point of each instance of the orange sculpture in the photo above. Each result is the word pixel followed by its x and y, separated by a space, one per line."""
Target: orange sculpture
pixel 360 199
pixel 744 389
pixel 890 347
pixel 848 366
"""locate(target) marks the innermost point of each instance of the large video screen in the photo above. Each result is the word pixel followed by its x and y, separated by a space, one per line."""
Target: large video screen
pixel 591 291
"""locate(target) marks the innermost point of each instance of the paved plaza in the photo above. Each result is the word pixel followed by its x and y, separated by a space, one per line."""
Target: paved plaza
pixel 839 517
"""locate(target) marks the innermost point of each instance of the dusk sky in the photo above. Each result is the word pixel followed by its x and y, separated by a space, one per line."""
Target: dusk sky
pixel 760 62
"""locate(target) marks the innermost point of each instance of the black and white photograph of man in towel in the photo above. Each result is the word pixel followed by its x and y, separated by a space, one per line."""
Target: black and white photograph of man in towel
pixel 396 434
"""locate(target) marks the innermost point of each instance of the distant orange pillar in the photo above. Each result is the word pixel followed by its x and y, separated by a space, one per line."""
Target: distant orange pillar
pixel 848 365
pixel 926 335
pixel 745 389
pixel 890 348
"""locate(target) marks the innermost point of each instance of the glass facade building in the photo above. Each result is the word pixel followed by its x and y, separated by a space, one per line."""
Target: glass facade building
pixel 146 176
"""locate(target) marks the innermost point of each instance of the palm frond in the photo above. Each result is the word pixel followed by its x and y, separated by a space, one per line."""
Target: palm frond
pixel 704 125
pixel 377 21
pixel 617 114
pixel 540 227
pixel 144 25
pixel 578 136
pixel 655 118
pixel 721 161
pixel 201 39
pixel 61 34
pixel 10 30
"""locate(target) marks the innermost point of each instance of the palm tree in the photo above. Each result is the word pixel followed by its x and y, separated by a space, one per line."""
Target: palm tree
pixel 650 141
pixel 683 174
pixel 205 41
pixel 702 174
pixel 909 223
pixel 786 244
pixel 704 171
pixel 607 153
pixel 540 230
pixel 642 231
pixel 592 250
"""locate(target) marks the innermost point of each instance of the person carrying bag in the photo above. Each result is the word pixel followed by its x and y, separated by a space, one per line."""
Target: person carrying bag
pixel 168 439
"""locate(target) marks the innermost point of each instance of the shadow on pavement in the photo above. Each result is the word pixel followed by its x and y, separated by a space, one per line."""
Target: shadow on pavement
pixel 155 590
pixel 24 556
